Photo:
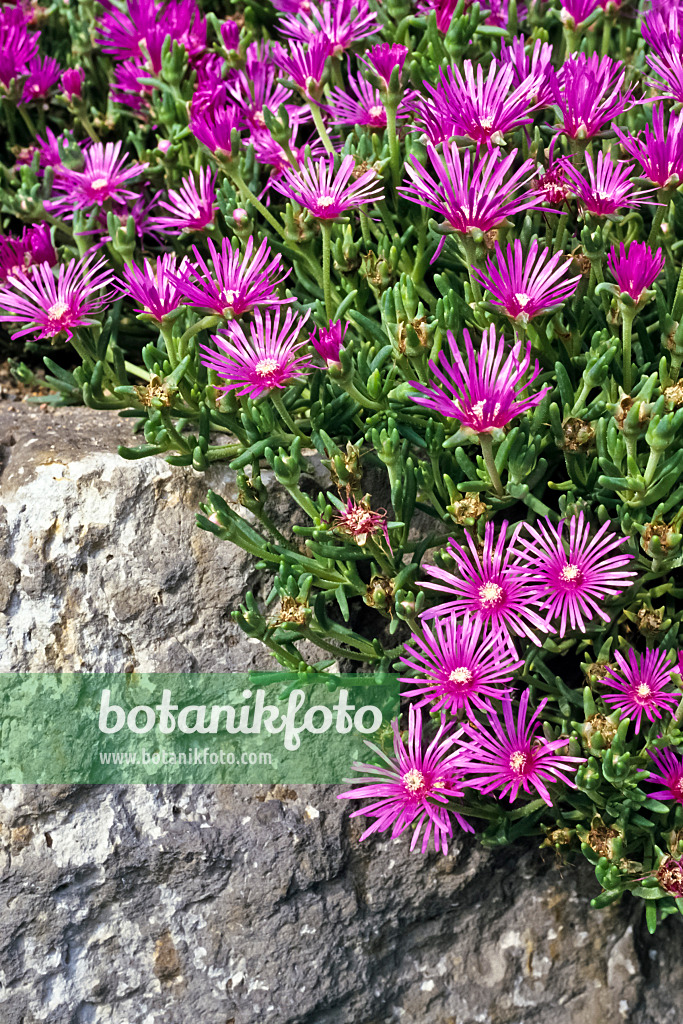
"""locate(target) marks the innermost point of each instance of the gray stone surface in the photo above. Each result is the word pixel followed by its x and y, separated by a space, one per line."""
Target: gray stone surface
pixel 242 905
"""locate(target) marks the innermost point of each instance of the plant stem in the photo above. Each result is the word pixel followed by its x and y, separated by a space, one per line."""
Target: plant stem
pixel 487 452
pixel 394 148
pixel 246 191
pixel 657 219
pixel 326 229
pixel 470 257
pixel 320 125
pixel 285 416
pixel 627 316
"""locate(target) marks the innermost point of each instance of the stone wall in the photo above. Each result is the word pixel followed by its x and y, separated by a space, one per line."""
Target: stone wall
pixel 244 905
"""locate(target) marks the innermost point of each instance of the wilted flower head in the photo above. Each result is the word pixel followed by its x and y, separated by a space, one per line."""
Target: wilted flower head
pixel 329 341
pixel 412 787
pixel 669 774
pixel 526 286
pixel 155 286
pixel 635 270
pixel 670 877
pixel 510 755
pixel 383 58
pixel 193 206
pixel 49 306
pixel 640 684
pixel 234 283
pixel 102 178
pixel 358 521
pixel 491 584
pixel 483 391
pixel 264 359
pixel 608 188
pixel 326 193
pixel 18 254
pixel 659 150
pixel 577 573
pixel 588 94
pixel 457 665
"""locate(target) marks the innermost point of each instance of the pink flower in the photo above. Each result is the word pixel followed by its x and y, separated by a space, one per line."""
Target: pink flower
pixel 669 774
pixel 484 390
pixel 72 82
pixel 511 755
pixel 659 150
pixel 17 255
pixel 328 341
pixel 670 71
pixel 257 89
pixel 326 193
pixel 50 306
pixel 304 65
pixel 18 46
pixel 636 270
pixel 470 191
pixel 383 58
pixel 155 287
pixel 552 185
pixel 492 585
pixel 365 106
pixel 262 361
pixel 193 207
pixel 236 283
pixel 230 34
pixel 412 787
pixel 42 74
pixel 577 575
pixel 608 188
pixel 102 178
pixel 483 109
pixel 587 91
pixel 640 685
pixel 574 12
pixel 342 22
pixel 143 25
pixel 662 28
pixel 530 70
pixel 527 286
pixel 456 667
pixel 214 126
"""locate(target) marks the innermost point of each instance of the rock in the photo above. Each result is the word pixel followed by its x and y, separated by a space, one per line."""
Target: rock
pixel 245 904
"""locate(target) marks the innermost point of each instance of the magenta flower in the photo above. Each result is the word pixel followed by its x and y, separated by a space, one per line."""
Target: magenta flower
pixel 364 106
pixel 492 585
pixel 193 207
pixel 18 46
pixel 659 150
pixel 72 83
pixel 305 65
pixel 413 787
pixel 640 685
pixel 577 575
pixel 262 361
pixel 17 255
pixel 636 270
pixel 329 341
pixel 268 151
pixel 470 192
pixel 587 92
pixel 669 85
pixel 574 12
pixel 383 58
pixel 102 178
pixel 527 286
pixel 443 9
pixel 484 391
pixel 511 755
pixel 230 34
pixel 483 109
pixel 214 126
pixel 532 71
pixel 42 74
pixel 326 193
pixel 257 89
pixel 49 306
pixel 236 282
pixel 662 28
pixel 669 774
pixel 141 28
pixel 608 188
pixel 552 185
pixel 456 667
pixel 342 23
pixel 155 287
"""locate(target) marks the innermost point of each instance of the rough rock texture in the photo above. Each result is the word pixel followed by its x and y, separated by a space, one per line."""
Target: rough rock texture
pixel 238 905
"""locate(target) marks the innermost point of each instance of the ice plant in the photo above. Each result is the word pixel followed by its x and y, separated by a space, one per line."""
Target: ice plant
pixel 261 359
pixel 341 23
pixel 588 93
pixel 531 70
pixel 669 775
pixel 635 272
pixel 49 305
pixel 101 180
pixel 457 666
pixel 659 150
pixel 17 254
pixel 329 341
pixel 639 686
pixel 214 127
pixel 491 584
pixel 233 283
pixel 526 286
pixel 359 104
pixel 578 573
pixel 72 83
pixel 358 521
pixel 383 58
pixel 484 392
pixel 305 65
pixel 510 756
pixel 155 286
pixel 609 187
pixel 192 207
pixel 413 787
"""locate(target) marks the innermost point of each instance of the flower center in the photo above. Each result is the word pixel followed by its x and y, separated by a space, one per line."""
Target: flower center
pixel 259 118
pixel 486 122
pixel 414 781
pixel 643 692
pixel 523 299
pixel 460 676
pixel 58 310
pixel 518 762
pixel 570 573
pixel 678 786
pixel 230 300
pixel 490 594
pixel 325 201
pixel 97 184
pixel 376 111
pixel 265 367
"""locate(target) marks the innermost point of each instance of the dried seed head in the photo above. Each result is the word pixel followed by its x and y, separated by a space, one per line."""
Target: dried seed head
pixel 599 724
pixel 468 509
pixel 670 877
pixel 579 436
pixel 650 621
